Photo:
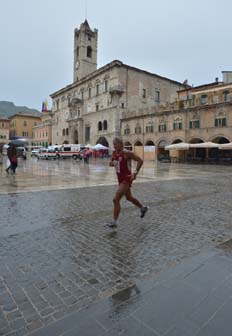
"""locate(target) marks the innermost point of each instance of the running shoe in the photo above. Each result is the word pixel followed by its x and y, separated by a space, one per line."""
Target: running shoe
pixel 111 225
pixel 143 211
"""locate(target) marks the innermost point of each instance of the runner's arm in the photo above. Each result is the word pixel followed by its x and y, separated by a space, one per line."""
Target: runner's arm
pixel 139 161
pixel 111 163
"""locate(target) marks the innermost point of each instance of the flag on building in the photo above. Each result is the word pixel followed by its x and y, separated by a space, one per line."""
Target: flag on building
pixel 45 105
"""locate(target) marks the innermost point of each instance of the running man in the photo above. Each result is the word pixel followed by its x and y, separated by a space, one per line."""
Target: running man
pixel 121 160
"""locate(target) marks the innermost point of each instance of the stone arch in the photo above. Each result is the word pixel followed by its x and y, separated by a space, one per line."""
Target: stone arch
pixel 196 140
pixel 221 139
pixel 103 141
pixel 218 154
pixel 128 145
pixel 161 143
pixel 138 143
pixel 177 141
pixel 149 143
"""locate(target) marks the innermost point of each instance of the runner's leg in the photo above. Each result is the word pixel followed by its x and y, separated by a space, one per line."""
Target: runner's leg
pixel 122 190
pixel 132 199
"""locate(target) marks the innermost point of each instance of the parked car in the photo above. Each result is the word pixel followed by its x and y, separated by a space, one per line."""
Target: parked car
pixel 164 158
pixel 35 152
pixel 46 154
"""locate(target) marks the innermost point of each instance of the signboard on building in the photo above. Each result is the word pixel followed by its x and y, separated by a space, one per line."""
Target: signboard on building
pixel 149 148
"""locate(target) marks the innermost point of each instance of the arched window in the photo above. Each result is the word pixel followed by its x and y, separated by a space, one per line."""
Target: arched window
pixel 128 145
pixel 105 125
pixel 138 129
pixel 106 85
pixel 127 129
pixel 177 124
pixel 97 88
pixel 204 99
pixel 100 126
pixel 194 123
pixel 89 52
pixel 149 127
pixel 149 143
pixel 226 95
pixel 63 131
pixel 138 143
pixel 220 119
pixel 66 131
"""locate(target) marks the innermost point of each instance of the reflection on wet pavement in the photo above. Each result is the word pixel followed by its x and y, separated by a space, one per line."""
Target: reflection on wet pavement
pixel 35 175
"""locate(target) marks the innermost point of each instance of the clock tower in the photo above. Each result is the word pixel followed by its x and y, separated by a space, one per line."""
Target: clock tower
pixel 85 51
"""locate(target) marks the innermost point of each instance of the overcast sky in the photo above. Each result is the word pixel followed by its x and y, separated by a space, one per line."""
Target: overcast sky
pixel 177 39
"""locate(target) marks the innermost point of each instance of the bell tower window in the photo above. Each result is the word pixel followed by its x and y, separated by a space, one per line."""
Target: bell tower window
pixel 89 52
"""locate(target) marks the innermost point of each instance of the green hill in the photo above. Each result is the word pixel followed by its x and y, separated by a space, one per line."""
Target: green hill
pixel 7 109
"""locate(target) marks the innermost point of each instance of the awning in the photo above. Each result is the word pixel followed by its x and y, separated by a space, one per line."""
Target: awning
pixel 204 145
pixel 177 146
pixel 100 147
pixel 226 146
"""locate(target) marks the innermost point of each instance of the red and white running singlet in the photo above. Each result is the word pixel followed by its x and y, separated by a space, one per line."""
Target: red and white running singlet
pixel 122 166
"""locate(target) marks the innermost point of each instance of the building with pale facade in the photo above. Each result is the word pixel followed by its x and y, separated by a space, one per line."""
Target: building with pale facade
pixel 42 131
pixel 200 114
pixel 90 110
pixel 4 130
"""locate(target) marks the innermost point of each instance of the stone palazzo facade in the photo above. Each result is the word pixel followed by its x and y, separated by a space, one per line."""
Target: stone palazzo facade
pixel 149 111
pixel 98 104
pixel 200 114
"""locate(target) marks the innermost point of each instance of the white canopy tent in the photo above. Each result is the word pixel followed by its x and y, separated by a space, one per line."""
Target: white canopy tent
pixel 204 145
pixel 100 147
pixel 226 146
pixel 178 146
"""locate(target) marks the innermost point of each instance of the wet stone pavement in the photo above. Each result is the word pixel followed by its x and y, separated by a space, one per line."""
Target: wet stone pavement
pixel 57 258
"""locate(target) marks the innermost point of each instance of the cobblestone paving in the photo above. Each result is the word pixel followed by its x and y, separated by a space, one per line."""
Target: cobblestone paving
pixel 56 256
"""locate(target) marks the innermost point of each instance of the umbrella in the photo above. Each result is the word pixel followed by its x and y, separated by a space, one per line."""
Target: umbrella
pixel 178 146
pixel 99 147
pixel 204 145
pixel 89 152
pixel 226 146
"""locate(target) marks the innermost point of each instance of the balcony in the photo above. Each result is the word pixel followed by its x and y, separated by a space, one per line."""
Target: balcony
pixel 75 102
pixel 117 89
pixel 73 117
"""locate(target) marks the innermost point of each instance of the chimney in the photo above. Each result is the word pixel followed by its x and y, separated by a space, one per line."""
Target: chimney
pixel 216 79
pixel 227 76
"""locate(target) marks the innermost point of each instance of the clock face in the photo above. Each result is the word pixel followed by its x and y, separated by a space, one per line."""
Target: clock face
pixel 77 64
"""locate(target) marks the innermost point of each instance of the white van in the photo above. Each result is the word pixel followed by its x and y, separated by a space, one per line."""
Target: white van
pixel 70 151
